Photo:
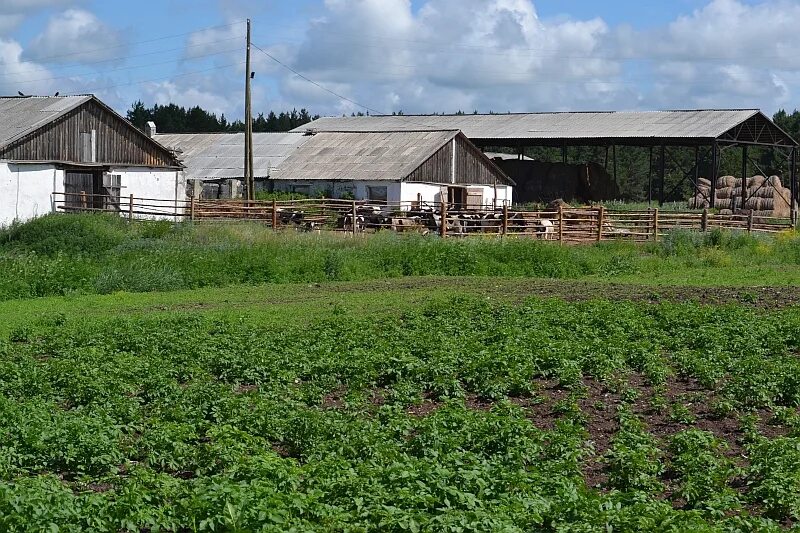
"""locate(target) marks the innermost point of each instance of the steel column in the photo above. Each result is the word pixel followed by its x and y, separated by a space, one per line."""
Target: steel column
pixel 744 177
pixel 650 180
pixel 793 185
pixel 662 172
pixel 714 163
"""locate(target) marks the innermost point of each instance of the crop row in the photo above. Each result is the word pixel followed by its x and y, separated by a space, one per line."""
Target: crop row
pixel 459 416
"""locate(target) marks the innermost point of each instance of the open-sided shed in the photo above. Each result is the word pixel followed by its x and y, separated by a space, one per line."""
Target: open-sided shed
pixel 707 131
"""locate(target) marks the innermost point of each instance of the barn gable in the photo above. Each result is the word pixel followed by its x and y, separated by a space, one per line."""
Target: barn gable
pixel 75 130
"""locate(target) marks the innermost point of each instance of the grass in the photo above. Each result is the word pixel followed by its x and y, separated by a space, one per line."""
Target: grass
pixel 90 254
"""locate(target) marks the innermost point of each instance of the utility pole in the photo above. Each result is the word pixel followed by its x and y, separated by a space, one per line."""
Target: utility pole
pixel 248 126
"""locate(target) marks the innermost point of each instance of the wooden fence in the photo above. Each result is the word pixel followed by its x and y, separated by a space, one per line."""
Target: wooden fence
pixel 565 224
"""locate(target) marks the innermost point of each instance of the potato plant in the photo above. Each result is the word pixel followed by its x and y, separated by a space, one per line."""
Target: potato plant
pixel 460 415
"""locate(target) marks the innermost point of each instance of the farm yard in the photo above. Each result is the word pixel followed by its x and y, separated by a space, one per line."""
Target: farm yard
pixel 160 377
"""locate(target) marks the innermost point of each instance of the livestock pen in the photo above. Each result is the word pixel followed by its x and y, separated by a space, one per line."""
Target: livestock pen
pixel 562 224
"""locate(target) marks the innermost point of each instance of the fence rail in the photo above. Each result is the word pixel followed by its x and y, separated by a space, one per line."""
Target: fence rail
pixel 564 224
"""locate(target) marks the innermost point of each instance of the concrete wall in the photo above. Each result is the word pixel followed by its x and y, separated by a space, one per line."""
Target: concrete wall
pixel 26 190
pixel 167 186
pixel 405 193
pixel 358 189
pixel 432 193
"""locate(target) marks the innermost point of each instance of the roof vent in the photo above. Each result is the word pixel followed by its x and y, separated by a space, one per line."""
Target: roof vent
pixel 150 129
pixel 310 131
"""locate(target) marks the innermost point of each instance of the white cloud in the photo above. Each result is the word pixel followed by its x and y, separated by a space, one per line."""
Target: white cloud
pixel 76 36
pixel 17 74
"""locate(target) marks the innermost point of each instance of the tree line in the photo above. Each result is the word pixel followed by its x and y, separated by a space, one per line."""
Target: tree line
pixel 172 118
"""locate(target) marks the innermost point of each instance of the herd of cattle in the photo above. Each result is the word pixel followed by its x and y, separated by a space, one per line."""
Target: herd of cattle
pixel 423 220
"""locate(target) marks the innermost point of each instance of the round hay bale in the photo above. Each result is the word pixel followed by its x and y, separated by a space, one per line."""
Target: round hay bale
pixel 724 193
pixel 703 182
pixel 726 182
pixel 775 181
pixel 756 181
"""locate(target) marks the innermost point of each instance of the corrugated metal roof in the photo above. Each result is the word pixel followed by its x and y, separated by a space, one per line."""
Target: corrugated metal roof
pixel 221 155
pixel 20 116
pixel 367 156
pixel 706 124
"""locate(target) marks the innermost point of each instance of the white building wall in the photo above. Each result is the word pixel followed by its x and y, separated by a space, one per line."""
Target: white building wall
pixel 166 186
pixel 26 190
pixel 432 193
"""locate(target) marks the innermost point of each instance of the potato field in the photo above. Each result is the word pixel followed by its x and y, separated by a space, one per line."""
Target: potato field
pixel 459 414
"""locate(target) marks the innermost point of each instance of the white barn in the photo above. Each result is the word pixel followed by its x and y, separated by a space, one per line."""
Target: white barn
pixel 74 152
pixel 398 167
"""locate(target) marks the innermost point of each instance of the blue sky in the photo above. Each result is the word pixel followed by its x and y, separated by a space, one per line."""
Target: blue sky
pixel 418 56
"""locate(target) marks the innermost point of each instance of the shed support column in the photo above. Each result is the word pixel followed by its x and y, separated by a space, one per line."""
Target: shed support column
pixel 696 173
pixel 564 154
pixel 793 185
pixel 453 170
pixel 713 177
pixel 614 148
pixel 662 171
pixel 744 176
pixel 650 180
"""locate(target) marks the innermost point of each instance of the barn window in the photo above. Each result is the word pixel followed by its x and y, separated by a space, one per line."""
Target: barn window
pixel 112 187
pixel 88 146
pixel 377 194
pixel 305 190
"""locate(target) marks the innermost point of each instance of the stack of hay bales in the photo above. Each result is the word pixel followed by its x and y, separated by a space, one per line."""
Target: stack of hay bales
pixel 766 197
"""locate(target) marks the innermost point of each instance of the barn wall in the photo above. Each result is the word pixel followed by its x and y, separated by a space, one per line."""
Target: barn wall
pixel 154 183
pixel 472 168
pixel 26 191
pixel 337 188
pixel 116 141
pixel 437 169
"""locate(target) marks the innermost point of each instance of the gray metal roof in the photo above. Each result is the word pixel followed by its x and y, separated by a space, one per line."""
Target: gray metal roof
pixel 20 116
pixel 221 155
pixel 367 156
pixel 705 124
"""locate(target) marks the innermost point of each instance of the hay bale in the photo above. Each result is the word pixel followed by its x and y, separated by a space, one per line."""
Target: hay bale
pixel 704 182
pixel 775 181
pixel 726 182
pixel 725 211
pixel 724 193
pixel 755 181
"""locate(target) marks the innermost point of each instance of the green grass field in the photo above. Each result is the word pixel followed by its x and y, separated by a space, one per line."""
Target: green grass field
pixel 235 380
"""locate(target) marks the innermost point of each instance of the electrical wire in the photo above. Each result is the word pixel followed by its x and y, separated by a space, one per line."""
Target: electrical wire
pixel 17 82
pixel 43 60
pixel 334 93
pixel 140 82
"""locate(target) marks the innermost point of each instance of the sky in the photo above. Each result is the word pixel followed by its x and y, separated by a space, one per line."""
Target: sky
pixel 336 57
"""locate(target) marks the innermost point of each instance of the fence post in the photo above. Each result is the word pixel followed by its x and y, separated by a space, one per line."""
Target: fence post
pixel 354 218
pixel 704 220
pixel 655 224
pixel 130 208
pixel 443 227
pixel 505 218
pixel 601 214
pixel 750 222
pixel 561 225
pixel 191 209
pixel 84 203
pixel 274 215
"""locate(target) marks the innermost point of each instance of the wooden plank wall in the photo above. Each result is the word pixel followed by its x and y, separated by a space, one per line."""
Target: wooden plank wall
pixel 117 141
pixel 472 169
pixel 437 169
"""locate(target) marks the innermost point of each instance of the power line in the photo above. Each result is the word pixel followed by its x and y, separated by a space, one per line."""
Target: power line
pixel 139 82
pixel 337 95
pixel 43 60
pixel 17 82
pixel 122 58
